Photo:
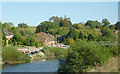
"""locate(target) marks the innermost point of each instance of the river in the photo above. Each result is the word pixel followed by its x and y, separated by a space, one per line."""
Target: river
pixel 37 65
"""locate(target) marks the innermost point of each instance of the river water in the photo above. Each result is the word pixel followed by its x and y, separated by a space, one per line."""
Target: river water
pixel 37 65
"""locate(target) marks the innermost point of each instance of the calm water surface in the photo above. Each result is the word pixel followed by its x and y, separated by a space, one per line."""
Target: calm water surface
pixel 37 65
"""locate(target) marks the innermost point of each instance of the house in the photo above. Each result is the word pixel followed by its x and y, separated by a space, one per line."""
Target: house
pixel 8 35
pixel 47 39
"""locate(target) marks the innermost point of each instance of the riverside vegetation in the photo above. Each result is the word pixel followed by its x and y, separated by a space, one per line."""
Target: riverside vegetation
pixel 83 53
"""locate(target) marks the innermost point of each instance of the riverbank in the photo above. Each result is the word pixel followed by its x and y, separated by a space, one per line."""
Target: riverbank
pixel 109 66
pixel 37 65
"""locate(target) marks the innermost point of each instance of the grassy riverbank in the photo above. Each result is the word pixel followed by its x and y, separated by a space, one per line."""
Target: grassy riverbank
pixel 53 52
pixel 111 65
pixel 10 55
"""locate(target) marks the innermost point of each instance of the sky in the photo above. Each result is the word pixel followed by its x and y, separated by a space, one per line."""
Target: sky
pixel 33 13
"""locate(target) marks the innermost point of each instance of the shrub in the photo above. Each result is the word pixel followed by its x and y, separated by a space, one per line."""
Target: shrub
pixel 11 54
pixel 80 56
pixel 83 55
pixel 54 51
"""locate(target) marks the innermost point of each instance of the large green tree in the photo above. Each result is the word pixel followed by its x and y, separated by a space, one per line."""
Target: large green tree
pixel 22 25
pixel 108 35
pixel 81 36
pixel 3 37
pixel 112 27
pixel 66 22
pixel 93 24
pixel 91 37
pixel 56 19
pixel 72 33
pixel 117 26
pixel 81 55
pixel 105 22
pixel 77 26
pixel 47 27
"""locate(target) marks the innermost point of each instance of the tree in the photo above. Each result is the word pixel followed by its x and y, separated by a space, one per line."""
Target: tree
pixel 62 31
pixel 105 22
pixel 69 41
pixel 30 41
pixel 3 37
pixel 10 24
pixel 47 27
pixel 77 26
pixel 18 39
pixel 14 42
pixel 72 33
pixel 7 25
pixel 81 36
pixel 81 56
pixel 22 33
pixel 117 26
pixel 22 25
pixel 92 24
pixel 66 22
pixel 90 37
pixel 109 35
pixel 55 19
pixel 112 27
pixel 11 54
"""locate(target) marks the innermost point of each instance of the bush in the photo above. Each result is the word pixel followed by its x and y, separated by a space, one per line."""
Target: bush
pixel 80 56
pixel 54 52
pixel 114 50
pixel 39 44
pixel 83 55
pixel 10 54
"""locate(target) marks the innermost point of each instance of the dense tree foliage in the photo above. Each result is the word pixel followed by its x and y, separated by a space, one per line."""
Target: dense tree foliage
pixel 7 25
pixel 3 37
pixel 105 22
pixel 77 26
pixel 117 26
pixel 22 25
pixel 66 22
pixel 39 44
pixel 62 31
pixel 83 55
pixel 30 41
pixel 56 19
pixel 112 27
pixel 72 33
pixel 93 24
pixel 69 41
pixel 91 37
pixel 108 35
pixel 54 52
pixel 81 36
pixel 47 27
